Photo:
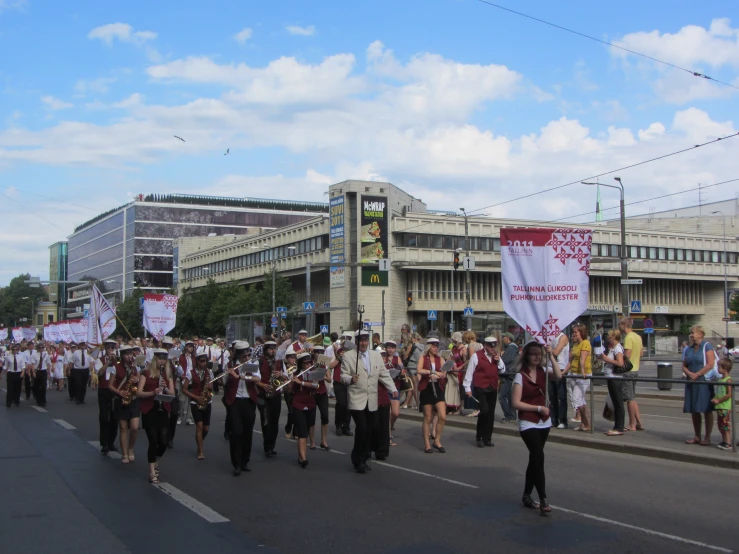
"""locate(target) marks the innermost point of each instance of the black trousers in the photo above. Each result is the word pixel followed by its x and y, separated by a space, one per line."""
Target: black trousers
pixel 342 417
pixel 80 378
pixel 227 421
pixel 558 401
pixel 380 432
pixel 616 392
pixel 486 419
pixel 242 414
pixel 39 385
pixel 70 385
pixel 173 415
pixel 106 419
pixel 269 415
pixel 322 405
pixel 289 403
pixel 364 420
pixel 28 385
pixel 13 395
pixel 535 439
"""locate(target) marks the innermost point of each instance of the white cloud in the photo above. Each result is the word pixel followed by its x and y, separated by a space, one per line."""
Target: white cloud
pixel 302 31
pixel 13 5
pixel 100 85
pixel 121 31
pixel 133 100
pixel 243 35
pixel 55 104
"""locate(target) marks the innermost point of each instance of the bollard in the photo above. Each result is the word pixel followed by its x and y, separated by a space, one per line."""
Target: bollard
pixel 664 371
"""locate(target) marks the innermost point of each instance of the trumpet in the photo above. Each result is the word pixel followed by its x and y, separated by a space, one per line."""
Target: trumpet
pixel 294 368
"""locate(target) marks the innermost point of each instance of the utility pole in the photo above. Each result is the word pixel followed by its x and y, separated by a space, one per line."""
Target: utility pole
pixel 468 287
pixel 274 271
pixel 726 284
pixel 309 315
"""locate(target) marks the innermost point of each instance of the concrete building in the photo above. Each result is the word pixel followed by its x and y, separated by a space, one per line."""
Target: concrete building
pixel 682 272
pixel 132 246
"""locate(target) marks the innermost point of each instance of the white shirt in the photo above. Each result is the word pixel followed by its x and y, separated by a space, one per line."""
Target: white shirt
pixel 67 357
pixel 330 351
pixel 241 392
pixel 564 357
pixel 149 356
pixel 109 371
pixel 524 425
pixel 472 366
pixel 366 361
pixel 14 365
pixel 45 360
pixel 77 360
pixel 608 368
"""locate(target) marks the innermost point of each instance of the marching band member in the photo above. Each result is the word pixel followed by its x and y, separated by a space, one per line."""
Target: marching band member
pixel 127 413
pixel 304 406
pixel 240 397
pixel 380 433
pixel 321 398
pixel 58 355
pixel 15 368
pixel 228 356
pixel 187 363
pixel 431 385
pixel 195 382
pixel 176 371
pixel 80 372
pixel 270 403
pixel 40 365
pixel 342 417
pixel 361 371
pixel 289 360
pixel 28 385
pixel 68 365
pixel 300 344
pixel 105 368
pixel 155 380
pixel 394 362
pixel 482 374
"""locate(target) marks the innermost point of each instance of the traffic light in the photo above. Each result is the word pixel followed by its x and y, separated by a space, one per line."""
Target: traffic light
pixel 410 299
pixel 456 260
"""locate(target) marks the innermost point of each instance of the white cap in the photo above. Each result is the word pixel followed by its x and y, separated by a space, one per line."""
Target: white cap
pixel 303 355
pixel 491 340
pixel 302 332
pixel 432 340
pixel 167 340
pixel 290 351
pixel 241 345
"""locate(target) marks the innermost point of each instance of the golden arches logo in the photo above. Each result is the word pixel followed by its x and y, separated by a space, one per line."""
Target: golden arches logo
pixel 375 278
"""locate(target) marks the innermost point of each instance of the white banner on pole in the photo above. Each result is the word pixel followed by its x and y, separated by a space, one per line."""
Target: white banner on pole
pixel 54 332
pixel 160 314
pixel 65 331
pixel 29 333
pixel 17 334
pixel 79 329
pixel 100 318
pixel 4 333
pixel 47 333
pixel 546 274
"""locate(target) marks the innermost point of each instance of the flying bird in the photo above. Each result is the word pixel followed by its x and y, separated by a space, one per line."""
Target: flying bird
pixel 227 152
pixel 175 136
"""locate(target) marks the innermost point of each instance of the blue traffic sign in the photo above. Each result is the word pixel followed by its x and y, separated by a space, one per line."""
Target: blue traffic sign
pixel 635 307
pixel 649 330
pixel 283 315
pixel 327 305
pixel 324 329
pixel 308 306
pixel 274 320
pixel 281 309
pixel 648 323
pixel 141 303
pixel 468 312
pixel 432 315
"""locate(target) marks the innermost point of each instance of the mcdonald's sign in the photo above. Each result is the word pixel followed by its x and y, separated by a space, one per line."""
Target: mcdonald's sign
pixel 374 278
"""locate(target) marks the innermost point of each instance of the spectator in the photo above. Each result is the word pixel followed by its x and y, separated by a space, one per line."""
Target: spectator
pixel 456 376
pixel 510 359
pixel 722 402
pixel 722 351
pixel 613 358
pixel 633 347
pixel 698 360
pixel 558 389
pixel 581 365
pixel 415 351
pixel 376 340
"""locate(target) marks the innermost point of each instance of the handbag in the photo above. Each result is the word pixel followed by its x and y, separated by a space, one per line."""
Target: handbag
pixel 628 366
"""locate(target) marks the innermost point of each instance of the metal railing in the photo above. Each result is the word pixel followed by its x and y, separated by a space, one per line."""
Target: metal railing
pixel 620 378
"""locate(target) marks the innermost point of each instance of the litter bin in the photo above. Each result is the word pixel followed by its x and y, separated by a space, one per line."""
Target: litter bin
pixel 664 371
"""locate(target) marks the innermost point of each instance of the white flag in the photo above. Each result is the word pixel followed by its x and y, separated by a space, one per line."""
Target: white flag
pixel 160 314
pixel 546 274
pixel 4 333
pixel 65 331
pixel 99 318
pixel 17 334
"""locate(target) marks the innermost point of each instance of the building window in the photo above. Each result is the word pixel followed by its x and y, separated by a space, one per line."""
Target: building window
pixel 436 241
pixel 680 255
pixel 485 244
pixel 732 257
pixel 474 243
pixel 51 318
pixel 604 250
pixel 662 253
pixel 496 245
pixel 411 240
pixel 423 241
pixel 614 250
pixel 39 319
pixel 652 253
pixel 633 252
pixel 714 257
pixel 447 242
pixel 698 255
pixel 706 256
pixel 643 252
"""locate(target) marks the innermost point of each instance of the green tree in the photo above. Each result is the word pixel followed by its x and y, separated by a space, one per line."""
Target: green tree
pixel 13 306
pixel 734 306
pixel 132 317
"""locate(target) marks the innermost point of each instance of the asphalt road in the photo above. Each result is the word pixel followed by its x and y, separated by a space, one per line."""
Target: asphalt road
pixel 61 495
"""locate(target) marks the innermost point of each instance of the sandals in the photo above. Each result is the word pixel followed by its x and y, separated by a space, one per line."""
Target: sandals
pixel 440 449
pixel 201 456
pixel 640 427
pixel 393 443
pixel 693 441
pixel 325 447
pixel 131 457
pixel 154 479
pixel 528 502
pixel 313 447
pixel 544 507
pixel 705 443
pixel 125 460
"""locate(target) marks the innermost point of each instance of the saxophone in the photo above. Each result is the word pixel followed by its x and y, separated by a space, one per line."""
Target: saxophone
pixel 206 395
pixel 128 392
pixel 275 379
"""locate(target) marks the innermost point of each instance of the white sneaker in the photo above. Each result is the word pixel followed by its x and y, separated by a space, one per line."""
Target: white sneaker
pixel 190 422
pixel 179 421
pixel 561 426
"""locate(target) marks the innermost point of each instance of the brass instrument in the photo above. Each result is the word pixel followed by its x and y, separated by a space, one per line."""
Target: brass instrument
pixel 129 389
pixel 206 395
pixel 406 383
pixel 276 378
pixel 290 371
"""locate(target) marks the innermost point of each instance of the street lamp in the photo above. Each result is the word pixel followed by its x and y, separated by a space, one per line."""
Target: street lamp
pixel 625 305
pixel 274 271
pixel 726 284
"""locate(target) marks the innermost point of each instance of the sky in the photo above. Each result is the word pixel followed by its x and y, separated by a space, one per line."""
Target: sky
pixel 457 102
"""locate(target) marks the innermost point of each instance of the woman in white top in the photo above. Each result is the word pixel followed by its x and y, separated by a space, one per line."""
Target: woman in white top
pixel 613 358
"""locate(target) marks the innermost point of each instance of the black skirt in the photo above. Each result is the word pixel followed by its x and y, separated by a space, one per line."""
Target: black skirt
pixel 431 395
pixel 199 415
pixel 303 420
pixel 127 413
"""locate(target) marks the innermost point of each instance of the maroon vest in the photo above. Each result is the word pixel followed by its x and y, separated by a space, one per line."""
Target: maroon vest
pixel 196 385
pixel 150 386
pixel 486 372
pixel 424 379
pixel 232 387
pixel 533 393
pixel 383 396
pixel 303 397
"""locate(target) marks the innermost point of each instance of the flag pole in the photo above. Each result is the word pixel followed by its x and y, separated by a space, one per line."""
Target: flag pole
pixel 124 326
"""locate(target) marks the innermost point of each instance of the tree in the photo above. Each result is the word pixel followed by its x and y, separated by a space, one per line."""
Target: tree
pixel 734 306
pixel 13 306
pixel 132 317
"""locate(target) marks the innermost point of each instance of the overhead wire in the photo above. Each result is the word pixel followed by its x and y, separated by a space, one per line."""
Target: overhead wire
pixel 34 212
pixel 612 45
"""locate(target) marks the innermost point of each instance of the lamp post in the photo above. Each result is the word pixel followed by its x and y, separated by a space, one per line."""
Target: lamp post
pixel 726 284
pixel 625 304
pixel 273 263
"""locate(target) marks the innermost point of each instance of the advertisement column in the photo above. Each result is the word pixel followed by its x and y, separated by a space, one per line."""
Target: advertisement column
pixel 337 242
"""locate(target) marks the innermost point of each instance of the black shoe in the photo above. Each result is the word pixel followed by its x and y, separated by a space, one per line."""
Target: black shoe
pixel 245 467
pixel 272 452
pixel 339 432
pixel 348 433
pixel 79 403
pixel 112 449
pixel 227 435
pixel 544 506
pixel 103 451
pixel 480 443
pixel 489 443
pixel 17 404
pixel 361 468
pixel 380 457
pixel 303 463
pixel 268 454
pixel 170 445
pixel 236 471
pixel 528 502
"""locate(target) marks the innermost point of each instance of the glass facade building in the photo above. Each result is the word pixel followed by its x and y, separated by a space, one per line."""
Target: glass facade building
pixel 132 246
pixel 58 272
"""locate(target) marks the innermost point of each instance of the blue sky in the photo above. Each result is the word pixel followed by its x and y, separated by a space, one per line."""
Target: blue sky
pixel 445 98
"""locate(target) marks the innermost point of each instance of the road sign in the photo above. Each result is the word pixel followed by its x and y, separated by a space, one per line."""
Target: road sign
pixel 274 320
pixel 327 305
pixel 632 281
pixel 86 313
pixel 636 306
pixel 469 312
pixel 649 330
pixel 432 315
pixel 725 319
pixel 373 323
pixel 309 306
pixel 283 315
pixel 648 323
pixel 281 309
pixel 385 264
pixel 468 262
pixel 451 327
pixel 324 329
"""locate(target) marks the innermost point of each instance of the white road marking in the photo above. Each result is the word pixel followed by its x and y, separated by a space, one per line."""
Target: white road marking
pixel 190 503
pixel 460 483
pixel 643 530
pixel 64 424
pixel 112 455
pixel 683 419
pixel 39 409
pixel 338 452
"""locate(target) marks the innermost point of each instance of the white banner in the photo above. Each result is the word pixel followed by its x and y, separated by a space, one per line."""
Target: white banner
pixel 100 318
pixel 46 333
pixel 17 334
pixel 79 330
pixel 54 332
pixel 29 333
pixel 546 275
pixel 65 331
pixel 160 314
pixel 4 333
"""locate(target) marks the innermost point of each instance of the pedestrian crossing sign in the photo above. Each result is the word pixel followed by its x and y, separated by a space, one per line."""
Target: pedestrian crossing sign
pixel 432 315
pixel 635 307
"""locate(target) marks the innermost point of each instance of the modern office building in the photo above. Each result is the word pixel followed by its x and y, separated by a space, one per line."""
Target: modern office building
pixel 132 246
pixel 682 271
pixel 58 272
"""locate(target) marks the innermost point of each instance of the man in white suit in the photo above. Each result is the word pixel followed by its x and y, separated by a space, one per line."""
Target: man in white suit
pixel 361 371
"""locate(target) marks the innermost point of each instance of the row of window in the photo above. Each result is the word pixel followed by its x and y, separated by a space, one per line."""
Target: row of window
pixel 301 247
pixel 484 244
